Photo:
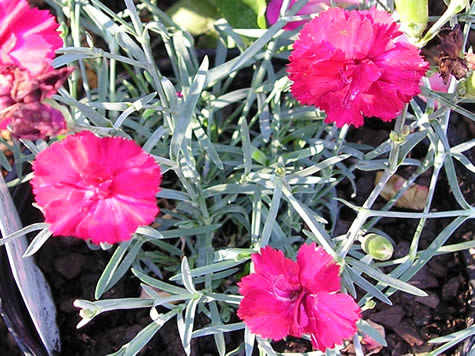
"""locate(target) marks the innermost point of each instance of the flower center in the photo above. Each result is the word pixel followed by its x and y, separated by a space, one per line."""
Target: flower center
pixel 99 189
pixel 284 291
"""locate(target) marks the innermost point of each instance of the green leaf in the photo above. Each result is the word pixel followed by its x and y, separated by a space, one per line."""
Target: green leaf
pixel 117 266
pixel 37 242
pixel 24 231
pixel 211 330
pixel 371 332
pixel 187 111
pixel 188 324
pixel 385 279
pixel 139 341
pixel 272 215
pixel 186 276
pixel 243 13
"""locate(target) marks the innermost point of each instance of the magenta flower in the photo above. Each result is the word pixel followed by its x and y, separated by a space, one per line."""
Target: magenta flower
pixel 283 297
pixel 28 37
pixel 96 188
pixel 311 7
pixel 350 64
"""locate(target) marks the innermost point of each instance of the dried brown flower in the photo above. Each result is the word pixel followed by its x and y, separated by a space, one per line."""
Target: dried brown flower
pixel 451 60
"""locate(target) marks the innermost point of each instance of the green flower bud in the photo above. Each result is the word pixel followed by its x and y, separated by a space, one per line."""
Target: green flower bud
pixel 377 246
pixel 467 87
pixel 455 6
pixel 414 16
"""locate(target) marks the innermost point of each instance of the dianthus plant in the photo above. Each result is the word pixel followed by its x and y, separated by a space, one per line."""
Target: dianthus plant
pixel 253 155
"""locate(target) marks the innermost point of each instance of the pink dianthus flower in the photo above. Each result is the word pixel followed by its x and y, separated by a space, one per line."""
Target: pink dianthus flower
pixel 28 36
pixel 283 297
pixel 311 7
pixel 350 64
pixel 96 188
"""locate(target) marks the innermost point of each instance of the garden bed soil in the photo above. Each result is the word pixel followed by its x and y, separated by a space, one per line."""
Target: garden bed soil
pixel 72 270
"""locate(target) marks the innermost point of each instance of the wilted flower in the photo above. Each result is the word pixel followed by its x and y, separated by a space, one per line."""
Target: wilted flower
pixel 283 297
pixel 36 120
pixel 20 97
pixel 18 86
pixel 28 36
pixel 96 188
pixel 451 58
pixel 311 7
pixel 350 64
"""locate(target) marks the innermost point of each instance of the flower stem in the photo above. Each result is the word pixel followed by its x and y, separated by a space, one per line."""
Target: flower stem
pixel 363 214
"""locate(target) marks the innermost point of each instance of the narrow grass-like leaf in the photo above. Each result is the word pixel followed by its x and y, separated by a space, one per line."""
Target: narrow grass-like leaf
pixel 216 321
pixel 168 234
pixel 452 340
pixel 212 268
pixel 229 189
pixel 411 141
pixel 189 321
pixel 249 340
pixel 366 327
pixel 167 287
pixel 88 111
pixel 136 105
pixel 205 142
pixel 134 346
pixel 23 231
pixel 272 214
pixel 318 167
pixel 257 46
pixel 111 267
pixel 385 279
pixel 465 161
pixel 308 220
pixel 4 162
pixel 188 109
pixel 172 194
pixel 440 98
pixel 211 330
pixel 37 242
pixel 186 276
pixel 367 286
pixel 246 147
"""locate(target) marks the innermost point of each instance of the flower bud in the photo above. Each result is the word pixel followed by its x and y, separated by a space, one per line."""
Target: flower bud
pixel 377 246
pixel 455 6
pixel 467 87
pixel 414 16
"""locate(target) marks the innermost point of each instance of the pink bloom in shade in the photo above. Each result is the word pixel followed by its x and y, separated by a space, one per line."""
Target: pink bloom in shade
pixel 350 64
pixel 36 120
pixel 436 84
pixel 283 297
pixel 311 7
pixel 28 36
pixel 96 188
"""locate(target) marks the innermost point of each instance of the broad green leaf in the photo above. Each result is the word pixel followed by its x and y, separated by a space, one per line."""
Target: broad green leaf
pixel 243 13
